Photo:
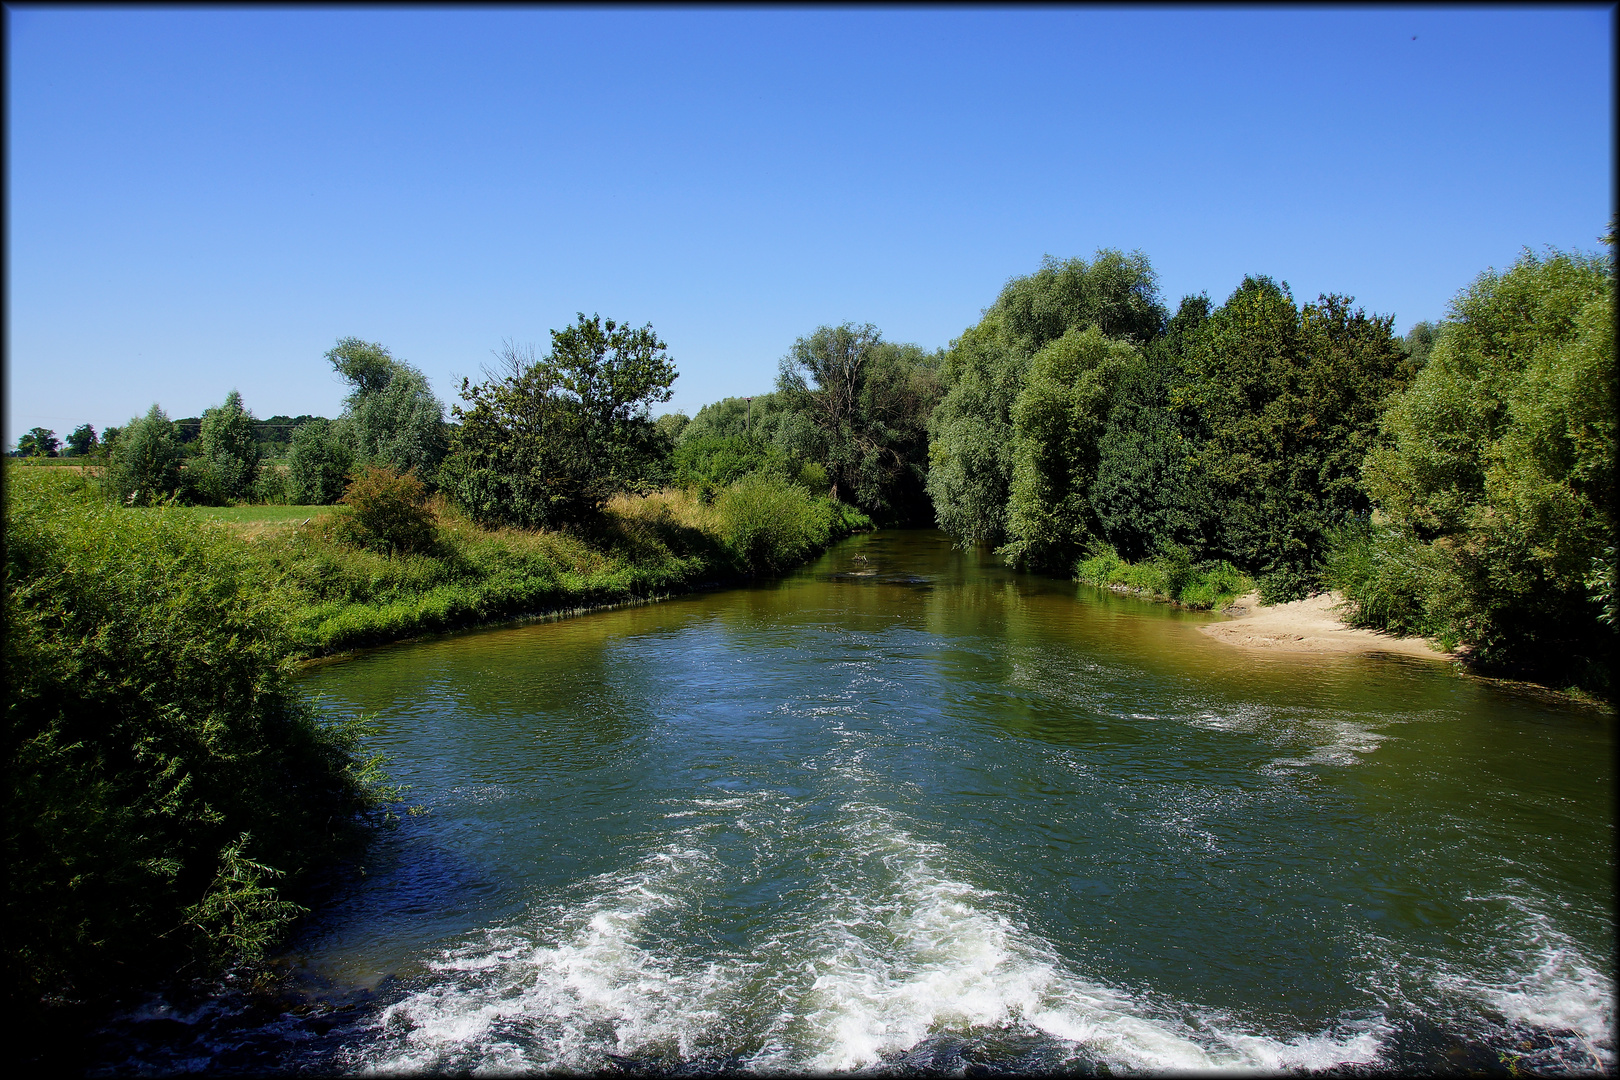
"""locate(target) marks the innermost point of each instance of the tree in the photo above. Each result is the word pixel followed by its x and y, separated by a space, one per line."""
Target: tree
pixel 38 442
pixel 1115 292
pixel 145 466
pixel 391 414
pixel 318 462
pixel 83 440
pixel 970 446
pixel 1286 401
pixel 1497 469
pixel 545 441
pixel 971 449
pixel 1057 422
pixel 861 409
pixel 229 461
pixel 615 374
pixel 1147 496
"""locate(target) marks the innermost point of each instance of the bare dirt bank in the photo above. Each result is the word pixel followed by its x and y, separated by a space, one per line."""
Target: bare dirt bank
pixel 1309 626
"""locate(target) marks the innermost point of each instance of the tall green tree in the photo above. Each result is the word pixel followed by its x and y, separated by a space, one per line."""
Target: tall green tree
pixel 229 461
pixel 860 407
pixel 1497 470
pixel 82 441
pixel 1058 420
pixel 970 460
pixel 545 441
pixel 614 374
pixel 982 374
pixel 318 462
pixel 1148 496
pixel 391 413
pixel 1288 402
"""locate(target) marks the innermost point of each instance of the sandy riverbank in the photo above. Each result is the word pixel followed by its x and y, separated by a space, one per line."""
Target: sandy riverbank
pixel 1309 626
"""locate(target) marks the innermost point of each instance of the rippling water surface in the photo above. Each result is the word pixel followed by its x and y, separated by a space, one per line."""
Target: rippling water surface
pixel 907 808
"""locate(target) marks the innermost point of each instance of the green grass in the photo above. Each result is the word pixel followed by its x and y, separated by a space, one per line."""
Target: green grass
pixel 246 514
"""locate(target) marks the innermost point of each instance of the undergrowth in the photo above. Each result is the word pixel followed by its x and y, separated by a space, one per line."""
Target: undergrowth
pixel 1173 576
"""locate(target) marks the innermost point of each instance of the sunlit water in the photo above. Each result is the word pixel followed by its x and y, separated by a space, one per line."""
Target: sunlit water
pixel 908 809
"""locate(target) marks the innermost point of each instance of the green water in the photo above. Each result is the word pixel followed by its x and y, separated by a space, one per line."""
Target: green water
pixel 908 807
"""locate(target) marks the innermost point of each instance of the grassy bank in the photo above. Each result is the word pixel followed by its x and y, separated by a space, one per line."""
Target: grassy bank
pixel 1168 579
pixel 338 597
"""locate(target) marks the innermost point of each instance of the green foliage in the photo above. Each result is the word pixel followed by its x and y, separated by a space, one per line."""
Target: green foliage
pixel 1147 493
pixel 715 461
pixel 318 463
pixel 145 465
pixel 1057 421
pixel 391 415
pixel 37 442
pixel 545 442
pixel 759 416
pixel 859 407
pixel 614 375
pixel 1500 461
pixel 971 447
pixel 229 462
pixel 1117 293
pixel 1287 401
pixel 161 773
pixel 1393 581
pixel 1173 576
pixel 519 455
pixel 389 512
pixel 82 442
pixel 769 526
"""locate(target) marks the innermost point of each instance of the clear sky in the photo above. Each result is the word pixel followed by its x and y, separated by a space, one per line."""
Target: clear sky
pixel 201 200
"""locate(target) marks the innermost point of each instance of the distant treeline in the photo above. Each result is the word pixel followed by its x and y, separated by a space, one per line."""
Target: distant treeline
pixel 1457 481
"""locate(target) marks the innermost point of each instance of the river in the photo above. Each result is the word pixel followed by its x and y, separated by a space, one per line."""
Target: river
pixel 908 808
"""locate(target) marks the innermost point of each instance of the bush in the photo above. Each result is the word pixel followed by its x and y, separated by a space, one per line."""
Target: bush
pixel 145 465
pixel 1174 576
pixel 768 525
pixel 390 512
pixel 165 787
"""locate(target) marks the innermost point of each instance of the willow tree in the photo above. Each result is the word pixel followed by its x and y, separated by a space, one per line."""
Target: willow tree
pixel 391 415
pixel 983 372
pixel 1058 420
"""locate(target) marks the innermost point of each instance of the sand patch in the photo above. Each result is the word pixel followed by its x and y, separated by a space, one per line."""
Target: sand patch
pixel 1313 625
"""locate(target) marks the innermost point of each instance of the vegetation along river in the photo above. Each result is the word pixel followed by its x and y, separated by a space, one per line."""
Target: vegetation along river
pixel 908 807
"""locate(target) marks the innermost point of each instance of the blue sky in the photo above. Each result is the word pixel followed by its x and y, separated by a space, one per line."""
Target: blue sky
pixel 201 200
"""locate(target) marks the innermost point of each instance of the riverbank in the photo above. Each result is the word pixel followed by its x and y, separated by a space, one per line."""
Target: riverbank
pixel 1312 625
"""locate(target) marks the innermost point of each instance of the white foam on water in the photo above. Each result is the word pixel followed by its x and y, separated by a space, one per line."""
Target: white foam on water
pixel 508 1003
pixel 1545 983
pixel 895 961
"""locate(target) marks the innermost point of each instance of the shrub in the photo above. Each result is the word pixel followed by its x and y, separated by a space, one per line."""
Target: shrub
pixel 390 512
pixel 145 466
pixel 1173 576
pixel 164 786
pixel 769 525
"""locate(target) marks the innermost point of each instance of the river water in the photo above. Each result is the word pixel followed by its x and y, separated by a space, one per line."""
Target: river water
pixel 909 809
